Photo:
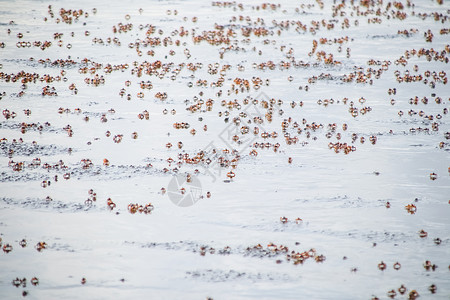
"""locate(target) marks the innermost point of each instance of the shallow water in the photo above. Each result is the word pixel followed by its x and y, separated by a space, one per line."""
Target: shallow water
pixel 180 252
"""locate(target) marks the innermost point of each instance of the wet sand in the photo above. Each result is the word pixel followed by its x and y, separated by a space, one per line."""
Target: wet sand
pixel 189 149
